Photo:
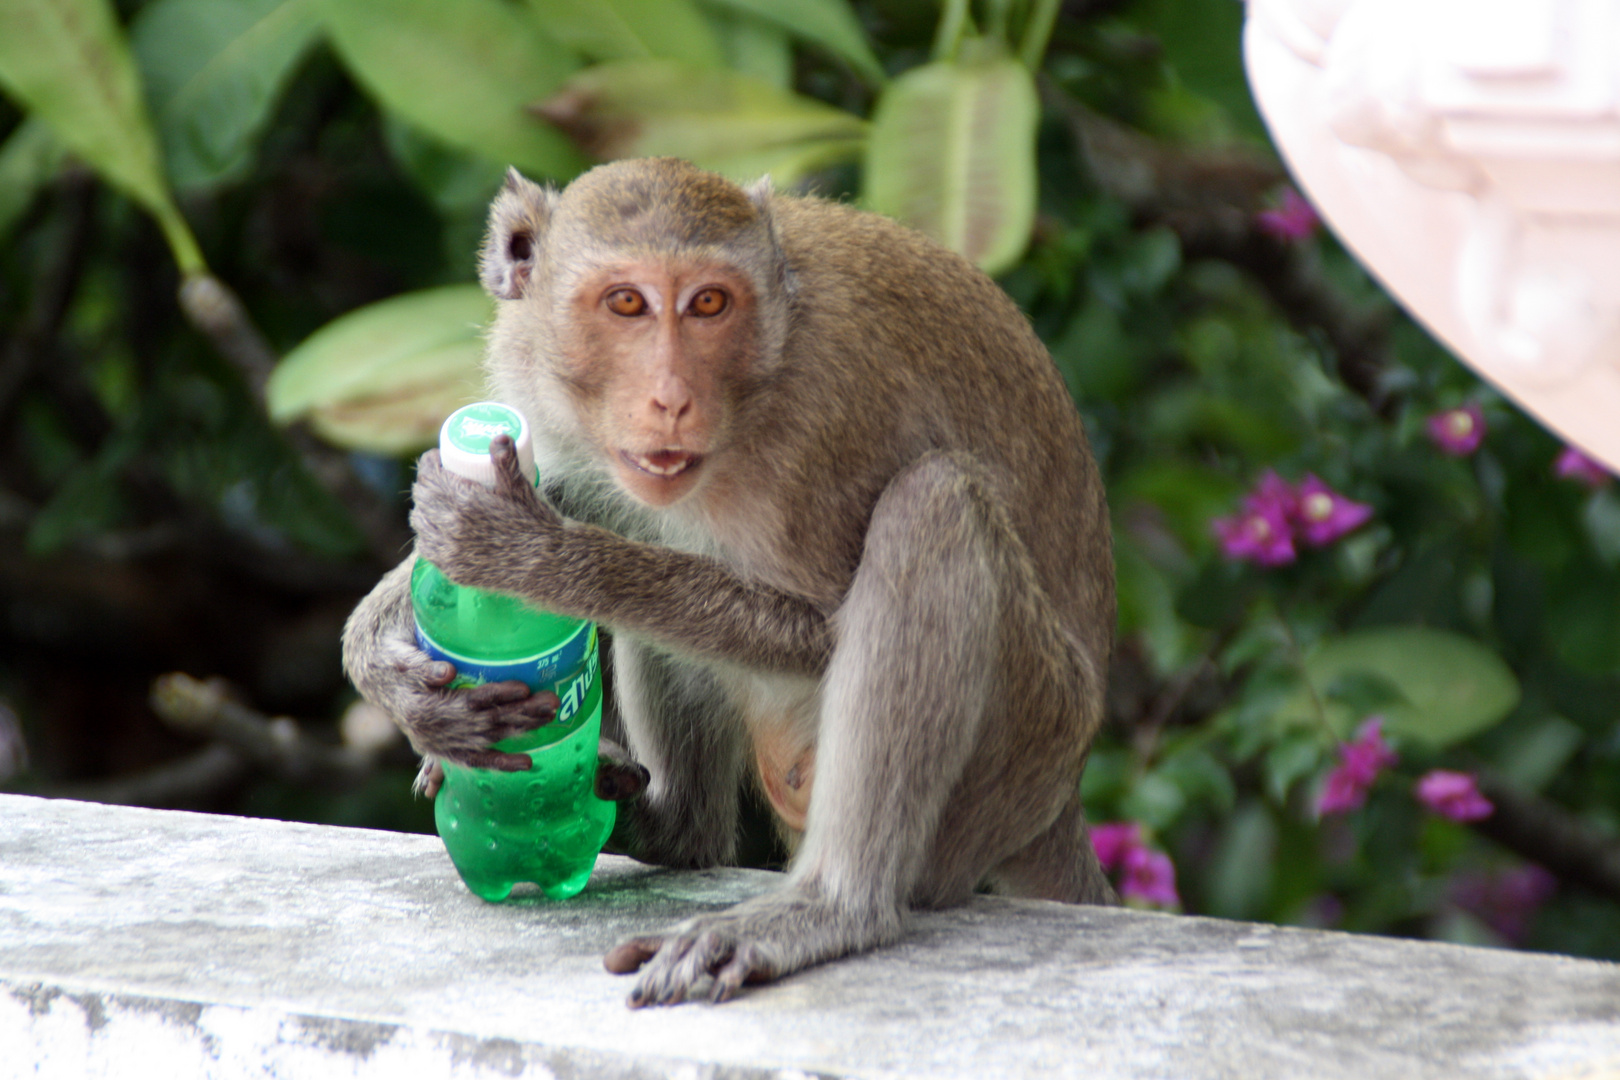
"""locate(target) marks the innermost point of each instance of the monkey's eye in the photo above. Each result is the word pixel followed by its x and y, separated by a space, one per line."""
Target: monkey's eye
pixel 626 302
pixel 707 302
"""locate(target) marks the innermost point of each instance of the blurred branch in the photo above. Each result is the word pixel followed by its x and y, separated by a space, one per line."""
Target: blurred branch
pixel 25 353
pixel 1210 199
pixel 277 745
pixel 214 310
pixel 245 742
pixel 1546 833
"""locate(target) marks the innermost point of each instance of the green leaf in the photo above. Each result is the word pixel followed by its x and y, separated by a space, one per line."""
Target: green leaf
pixel 1203 42
pixel 214 70
pixel 28 160
pixel 952 153
pixel 384 377
pixel 465 73
pixel 68 62
pixel 1452 686
pixel 631 29
pixel 830 24
pixel 719 120
pixel 756 48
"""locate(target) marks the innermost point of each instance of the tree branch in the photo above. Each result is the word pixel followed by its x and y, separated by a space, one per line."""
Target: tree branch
pixel 1546 833
pixel 214 310
pixel 1210 199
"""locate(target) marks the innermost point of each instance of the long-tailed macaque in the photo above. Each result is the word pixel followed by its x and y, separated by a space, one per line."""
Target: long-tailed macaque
pixel 828 492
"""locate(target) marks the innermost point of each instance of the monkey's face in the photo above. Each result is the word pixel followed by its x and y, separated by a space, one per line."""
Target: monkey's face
pixel 657 345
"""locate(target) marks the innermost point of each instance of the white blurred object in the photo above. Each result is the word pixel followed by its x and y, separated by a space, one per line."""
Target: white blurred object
pixel 1468 152
pixel 367 728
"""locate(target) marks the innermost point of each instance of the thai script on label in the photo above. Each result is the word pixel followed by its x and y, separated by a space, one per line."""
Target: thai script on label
pixel 578 689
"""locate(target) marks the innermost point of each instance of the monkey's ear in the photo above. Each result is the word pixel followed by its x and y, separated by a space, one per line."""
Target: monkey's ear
pixel 759 193
pixel 517 219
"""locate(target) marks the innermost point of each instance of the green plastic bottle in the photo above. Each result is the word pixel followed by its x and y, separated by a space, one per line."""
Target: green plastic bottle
pixel 545 825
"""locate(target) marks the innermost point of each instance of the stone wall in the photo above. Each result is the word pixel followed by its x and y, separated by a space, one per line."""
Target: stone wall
pixel 149 943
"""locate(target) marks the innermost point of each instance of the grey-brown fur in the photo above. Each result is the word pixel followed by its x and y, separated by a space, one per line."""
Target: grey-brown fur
pixel 897 559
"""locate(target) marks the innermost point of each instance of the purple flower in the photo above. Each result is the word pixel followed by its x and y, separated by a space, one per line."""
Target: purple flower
pixel 1324 515
pixel 1263 532
pixel 1458 431
pixel 1574 465
pixel 1150 876
pixel 1113 840
pixel 1295 220
pixel 1454 795
pixel 1146 875
pixel 1360 762
pixel 1506 901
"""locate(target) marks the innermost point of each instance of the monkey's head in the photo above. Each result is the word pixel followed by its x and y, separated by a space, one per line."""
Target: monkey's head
pixel 639 307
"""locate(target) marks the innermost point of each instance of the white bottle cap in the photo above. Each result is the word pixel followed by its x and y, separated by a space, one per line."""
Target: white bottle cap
pixel 465 437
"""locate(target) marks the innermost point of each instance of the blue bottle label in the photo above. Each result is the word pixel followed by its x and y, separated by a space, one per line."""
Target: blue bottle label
pixel 539 671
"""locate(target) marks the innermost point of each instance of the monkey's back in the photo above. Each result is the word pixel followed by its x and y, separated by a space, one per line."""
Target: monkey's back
pixel 912 348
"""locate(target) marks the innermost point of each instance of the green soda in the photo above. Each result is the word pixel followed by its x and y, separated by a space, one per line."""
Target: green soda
pixel 545 825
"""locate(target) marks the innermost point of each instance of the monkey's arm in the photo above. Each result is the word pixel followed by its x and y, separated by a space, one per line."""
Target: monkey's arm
pixel 509 540
pixel 382 659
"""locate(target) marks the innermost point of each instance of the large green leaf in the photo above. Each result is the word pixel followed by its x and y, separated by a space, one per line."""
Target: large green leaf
pixel 28 160
pixel 463 72
pixel 952 153
pixel 632 29
pixel 757 48
pixel 830 24
pixel 214 70
pixel 68 62
pixel 1449 687
pixel 720 120
pixel 384 377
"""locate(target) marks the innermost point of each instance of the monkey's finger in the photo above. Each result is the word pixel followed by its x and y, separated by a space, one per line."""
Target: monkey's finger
pixel 628 956
pixel 509 479
pixel 432 779
pixel 439 673
pixel 510 692
pixel 617 781
pixel 429 464
pixel 745 968
pixel 495 759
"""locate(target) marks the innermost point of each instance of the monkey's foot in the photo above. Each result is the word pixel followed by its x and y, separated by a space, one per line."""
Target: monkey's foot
pixel 757 941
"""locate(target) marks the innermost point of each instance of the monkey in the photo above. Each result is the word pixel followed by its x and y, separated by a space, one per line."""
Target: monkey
pixel 827 491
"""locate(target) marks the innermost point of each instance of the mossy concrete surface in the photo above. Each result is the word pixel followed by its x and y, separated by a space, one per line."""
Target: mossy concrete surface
pixel 172 945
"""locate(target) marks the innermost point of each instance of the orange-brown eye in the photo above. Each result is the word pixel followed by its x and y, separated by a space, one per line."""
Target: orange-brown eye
pixel 708 302
pixel 626 302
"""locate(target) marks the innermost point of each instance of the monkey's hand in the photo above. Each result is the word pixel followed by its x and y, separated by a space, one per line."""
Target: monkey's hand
pixel 454 724
pixel 757 941
pixel 486 539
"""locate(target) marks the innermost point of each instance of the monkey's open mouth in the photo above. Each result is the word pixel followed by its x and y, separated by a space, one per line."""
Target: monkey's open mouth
pixel 664 463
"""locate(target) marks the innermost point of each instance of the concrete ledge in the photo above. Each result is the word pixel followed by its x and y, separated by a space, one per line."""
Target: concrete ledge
pixel 179 945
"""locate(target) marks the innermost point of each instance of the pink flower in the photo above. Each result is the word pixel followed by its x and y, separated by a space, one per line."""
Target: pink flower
pixel 1146 875
pixel 1276 513
pixel 1574 465
pixel 1324 515
pixel 1295 220
pixel 1506 901
pixel 1263 533
pixel 1458 431
pixel 1454 795
pixel 1150 876
pixel 1113 840
pixel 1360 762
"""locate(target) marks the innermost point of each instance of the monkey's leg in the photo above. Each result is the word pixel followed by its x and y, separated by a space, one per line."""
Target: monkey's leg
pixel 918 719
pixel 1060 864
pixel 683 727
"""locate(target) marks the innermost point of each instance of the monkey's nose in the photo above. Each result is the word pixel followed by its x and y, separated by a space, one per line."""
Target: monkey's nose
pixel 671 399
